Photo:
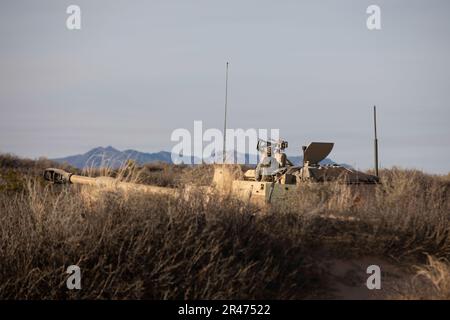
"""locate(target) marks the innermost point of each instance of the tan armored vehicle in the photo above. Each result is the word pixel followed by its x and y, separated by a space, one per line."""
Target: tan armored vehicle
pixel 276 178
pixel 273 179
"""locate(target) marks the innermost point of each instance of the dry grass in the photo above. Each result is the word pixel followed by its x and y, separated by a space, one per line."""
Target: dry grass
pixel 131 246
pixel 408 216
pixel 159 174
pixel 140 247
pixel 431 281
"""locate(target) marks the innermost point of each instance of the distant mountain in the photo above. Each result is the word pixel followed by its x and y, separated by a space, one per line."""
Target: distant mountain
pixel 111 157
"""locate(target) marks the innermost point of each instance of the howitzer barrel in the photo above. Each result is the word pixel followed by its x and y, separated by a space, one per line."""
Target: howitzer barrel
pixel 59 176
pixel 75 179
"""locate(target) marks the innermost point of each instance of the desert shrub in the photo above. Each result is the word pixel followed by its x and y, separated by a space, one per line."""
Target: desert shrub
pixel 14 171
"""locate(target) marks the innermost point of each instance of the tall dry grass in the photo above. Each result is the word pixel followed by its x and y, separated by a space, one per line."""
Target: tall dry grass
pixel 131 246
pixel 151 248
pixel 407 216
pixel 431 281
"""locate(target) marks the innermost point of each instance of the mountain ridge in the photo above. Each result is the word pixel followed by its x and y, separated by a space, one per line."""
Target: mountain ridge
pixel 112 157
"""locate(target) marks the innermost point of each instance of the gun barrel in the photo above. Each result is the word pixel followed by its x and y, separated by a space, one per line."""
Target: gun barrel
pixel 76 179
pixel 59 176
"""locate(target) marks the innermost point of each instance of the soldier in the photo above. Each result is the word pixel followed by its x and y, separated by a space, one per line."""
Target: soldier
pixel 266 167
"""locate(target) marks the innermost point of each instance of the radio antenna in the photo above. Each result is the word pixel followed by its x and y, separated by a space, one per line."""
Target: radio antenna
pixel 375 139
pixel 225 118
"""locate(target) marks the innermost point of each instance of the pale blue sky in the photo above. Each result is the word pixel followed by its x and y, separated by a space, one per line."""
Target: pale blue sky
pixel 140 69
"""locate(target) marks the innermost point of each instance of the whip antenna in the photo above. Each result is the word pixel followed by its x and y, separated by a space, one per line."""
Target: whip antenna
pixel 376 139
pixel 225 118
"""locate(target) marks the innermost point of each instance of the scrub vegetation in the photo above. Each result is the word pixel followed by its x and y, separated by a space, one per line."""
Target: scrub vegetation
pixel 135 246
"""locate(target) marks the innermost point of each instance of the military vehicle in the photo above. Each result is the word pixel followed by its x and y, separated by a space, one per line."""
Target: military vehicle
pixel 274 179
pixel 284 178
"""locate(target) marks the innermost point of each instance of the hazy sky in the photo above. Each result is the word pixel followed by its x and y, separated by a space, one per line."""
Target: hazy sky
pixel 137 70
